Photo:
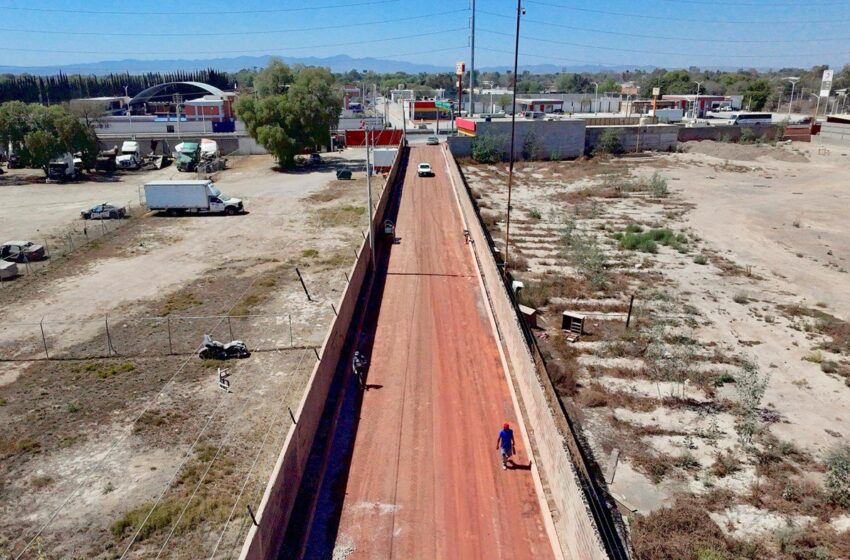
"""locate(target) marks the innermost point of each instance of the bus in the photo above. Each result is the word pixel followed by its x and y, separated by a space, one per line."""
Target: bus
pixel 749 119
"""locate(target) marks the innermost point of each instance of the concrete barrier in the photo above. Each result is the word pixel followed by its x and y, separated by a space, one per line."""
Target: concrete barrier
pixel 554 446
pixel 724 133
pixel 654 137
pixel 264 539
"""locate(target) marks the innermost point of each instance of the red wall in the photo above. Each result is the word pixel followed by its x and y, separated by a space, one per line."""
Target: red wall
pixel 391 137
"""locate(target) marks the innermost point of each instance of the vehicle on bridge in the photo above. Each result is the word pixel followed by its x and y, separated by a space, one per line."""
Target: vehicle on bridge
pixel 424 170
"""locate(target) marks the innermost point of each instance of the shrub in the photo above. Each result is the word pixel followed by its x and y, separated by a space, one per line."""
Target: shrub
pixel 609 143
pixel 815 357
pixel 535 295
pixel 657 185
pixel 741 298
pixel 484 149
pixel 563 379
pixel 683 531
pixel 700 259
pixel 837 480
pixel 750 385
pixel 828 366
pixel 725 464
pixel 747 136
pixel 723 379
pixel 633 228
pixel 535 213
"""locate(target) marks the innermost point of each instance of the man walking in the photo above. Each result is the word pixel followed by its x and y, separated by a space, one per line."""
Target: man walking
pixel 505 443
pixel 357 365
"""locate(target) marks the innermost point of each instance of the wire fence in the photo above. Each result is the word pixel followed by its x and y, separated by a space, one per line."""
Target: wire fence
pixel 113 336
pixel 81 233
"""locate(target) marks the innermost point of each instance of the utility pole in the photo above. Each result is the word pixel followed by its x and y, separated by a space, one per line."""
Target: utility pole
pixel 472 67
pixel 519 12
pixel 596 97
pixel 696 102
pixel 369 201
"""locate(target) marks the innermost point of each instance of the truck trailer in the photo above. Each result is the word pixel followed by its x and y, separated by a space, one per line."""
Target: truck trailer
pixel 177 197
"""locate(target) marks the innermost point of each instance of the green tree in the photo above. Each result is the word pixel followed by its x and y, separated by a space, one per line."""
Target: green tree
pixel 756 94
pixel 274 78
pixel 41 146
pixel 301 117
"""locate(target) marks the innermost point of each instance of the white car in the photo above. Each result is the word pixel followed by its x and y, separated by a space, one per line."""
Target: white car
pixel 432 141
pixel 424 170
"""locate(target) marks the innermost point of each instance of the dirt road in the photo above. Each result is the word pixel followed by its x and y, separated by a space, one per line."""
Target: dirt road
pixel 425 479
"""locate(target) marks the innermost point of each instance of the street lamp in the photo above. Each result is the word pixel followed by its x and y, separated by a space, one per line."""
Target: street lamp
pixel 596 97
pixel 817 107
pixel 793 80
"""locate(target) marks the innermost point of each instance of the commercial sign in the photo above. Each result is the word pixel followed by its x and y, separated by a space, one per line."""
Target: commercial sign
pixel 656 91
pixel 443 105
pixel 460 68
pixel 826 84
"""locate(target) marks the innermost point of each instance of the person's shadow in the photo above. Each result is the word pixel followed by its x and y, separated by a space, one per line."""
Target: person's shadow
pixel 514 466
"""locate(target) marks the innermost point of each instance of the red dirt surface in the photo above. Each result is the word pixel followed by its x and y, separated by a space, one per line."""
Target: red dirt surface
pixel 425 479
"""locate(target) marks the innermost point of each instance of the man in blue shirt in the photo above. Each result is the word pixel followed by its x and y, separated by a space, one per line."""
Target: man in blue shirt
pixel 505 443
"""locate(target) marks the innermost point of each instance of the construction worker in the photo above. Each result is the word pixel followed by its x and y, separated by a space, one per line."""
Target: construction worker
pixel 505 443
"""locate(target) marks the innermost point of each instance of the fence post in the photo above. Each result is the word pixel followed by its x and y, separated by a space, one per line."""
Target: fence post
pixel 230 327
pixel 291 344
pixel 168 324
pixel 344 273
pixel 303 285
pixel 110 349
pixel 334 310
pixel 629 317
pixel 43 338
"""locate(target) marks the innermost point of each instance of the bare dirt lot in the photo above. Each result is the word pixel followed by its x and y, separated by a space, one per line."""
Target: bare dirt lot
pixel 719 417
pixel 123 440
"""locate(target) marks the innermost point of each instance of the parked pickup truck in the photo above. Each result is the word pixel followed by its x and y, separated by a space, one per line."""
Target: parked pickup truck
pixel 201 196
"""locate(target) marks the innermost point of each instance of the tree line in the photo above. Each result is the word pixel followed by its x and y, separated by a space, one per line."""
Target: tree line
pixel 64 87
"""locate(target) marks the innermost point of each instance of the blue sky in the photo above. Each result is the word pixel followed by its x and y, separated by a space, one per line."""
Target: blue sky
pixel 671 33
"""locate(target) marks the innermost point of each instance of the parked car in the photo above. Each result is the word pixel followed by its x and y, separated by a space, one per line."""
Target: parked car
pixel 315 159
pixel 432 141
pixel 103 211
pixel 424 170
pixel 20 251
pixel 8 270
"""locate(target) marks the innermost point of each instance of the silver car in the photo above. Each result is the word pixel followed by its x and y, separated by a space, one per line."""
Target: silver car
pixel 103 211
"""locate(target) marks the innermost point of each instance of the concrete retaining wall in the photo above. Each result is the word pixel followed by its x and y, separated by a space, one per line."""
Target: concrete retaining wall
pixel 273 515
pixel 835 133
pixel 724 133
pixel 656 137
pixel 548 430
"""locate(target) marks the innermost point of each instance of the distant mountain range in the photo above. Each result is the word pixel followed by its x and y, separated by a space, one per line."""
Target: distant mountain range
pixel 338 63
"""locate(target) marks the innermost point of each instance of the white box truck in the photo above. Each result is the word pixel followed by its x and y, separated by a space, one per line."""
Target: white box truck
pixel 201 196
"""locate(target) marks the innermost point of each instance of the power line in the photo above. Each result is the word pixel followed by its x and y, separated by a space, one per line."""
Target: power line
pixel 690 20
pixel 251 51
pixel 174 476
pixel 284 399
pixel 689 54
pixel 260 448
pixel 229 33
pixel 170 13
pixel 669 37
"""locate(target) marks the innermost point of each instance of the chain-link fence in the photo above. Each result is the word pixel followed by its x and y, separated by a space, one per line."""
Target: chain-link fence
pixel 80 233
pixel 158 336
